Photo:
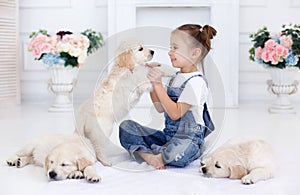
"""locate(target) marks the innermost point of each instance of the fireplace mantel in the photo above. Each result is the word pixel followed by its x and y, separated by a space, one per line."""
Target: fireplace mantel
pixel 224 16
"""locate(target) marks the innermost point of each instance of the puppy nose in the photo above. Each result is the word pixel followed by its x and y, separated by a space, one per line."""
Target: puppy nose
pixel 52 174
pixel 204 170
pixel 152 52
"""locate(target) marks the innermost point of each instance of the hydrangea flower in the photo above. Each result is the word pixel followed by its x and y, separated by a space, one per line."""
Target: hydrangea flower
pixel 50 59
pixel 291 60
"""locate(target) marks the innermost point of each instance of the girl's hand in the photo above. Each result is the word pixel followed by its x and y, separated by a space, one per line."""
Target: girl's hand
pixel 155 75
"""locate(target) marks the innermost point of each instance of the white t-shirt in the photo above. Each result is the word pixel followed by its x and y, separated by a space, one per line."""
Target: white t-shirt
pixel 195 93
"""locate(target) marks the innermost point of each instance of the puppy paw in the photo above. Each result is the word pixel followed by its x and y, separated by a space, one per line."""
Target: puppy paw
pixel 75 175
pixel 17 162
pixel 12 161
pixel 247 180
pixel 93 178
pixel 153 64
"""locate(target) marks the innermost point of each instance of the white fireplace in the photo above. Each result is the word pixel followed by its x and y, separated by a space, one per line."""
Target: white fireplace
pixel 221 14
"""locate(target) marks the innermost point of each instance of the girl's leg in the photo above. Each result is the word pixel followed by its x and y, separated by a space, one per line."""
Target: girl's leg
pixel 154 160
pixel 138 139
pixel 180 152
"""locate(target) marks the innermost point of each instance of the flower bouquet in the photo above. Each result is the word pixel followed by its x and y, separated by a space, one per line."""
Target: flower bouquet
pixel 64 48
pixel 62 54
pixel 280 51
pixel 279 54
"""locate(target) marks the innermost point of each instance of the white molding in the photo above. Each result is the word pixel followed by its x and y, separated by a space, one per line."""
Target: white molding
pixel 244 38
pixel 294 3
pixel 174 3
pixel 253 3
pixel 227 40
pixel 29 64
pixel 116 12
pixel 36 4
pixel 101 3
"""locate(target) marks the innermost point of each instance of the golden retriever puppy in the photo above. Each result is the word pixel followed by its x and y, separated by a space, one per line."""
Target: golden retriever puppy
pixel 247 159
pixel 63 156
pixel 119 91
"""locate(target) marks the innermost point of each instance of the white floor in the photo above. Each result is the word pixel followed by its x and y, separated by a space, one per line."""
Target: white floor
pixel 21 124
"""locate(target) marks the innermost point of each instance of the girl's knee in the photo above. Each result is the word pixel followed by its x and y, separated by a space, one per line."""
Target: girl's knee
pixel 127 126
pixel 127 133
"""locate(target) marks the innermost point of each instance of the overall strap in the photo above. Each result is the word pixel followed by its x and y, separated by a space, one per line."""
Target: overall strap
pixel 209 125
pixel 172 79
pixel 197 75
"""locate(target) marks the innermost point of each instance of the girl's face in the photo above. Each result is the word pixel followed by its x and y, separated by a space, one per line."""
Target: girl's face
pixel 182 53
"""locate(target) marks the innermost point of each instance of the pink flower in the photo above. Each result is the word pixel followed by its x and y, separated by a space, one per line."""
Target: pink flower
pixel 37 49
pixel 68 38
pixel 282 51
pixel 270 44
pixel 265 55
pixel 272 52
pixel 40 44
pixel 274 58
pixel 286 41
pixel 258 52
pixel 85 41
pixel 46 48
pixel 38 38
pixel 36 53
pixel 54 39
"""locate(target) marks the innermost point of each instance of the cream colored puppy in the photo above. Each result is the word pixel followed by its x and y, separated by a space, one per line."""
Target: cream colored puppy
pixel 248 159
pixel 63 156
pixel 119 91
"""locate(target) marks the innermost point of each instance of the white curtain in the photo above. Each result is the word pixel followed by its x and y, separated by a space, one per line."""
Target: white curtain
pixel 9 73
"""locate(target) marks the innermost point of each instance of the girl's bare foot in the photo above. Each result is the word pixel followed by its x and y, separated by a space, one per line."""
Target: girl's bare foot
pixel 154 160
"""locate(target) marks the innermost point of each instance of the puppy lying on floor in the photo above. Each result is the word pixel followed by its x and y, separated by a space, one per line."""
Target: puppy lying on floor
pixel 248 159
pixel 63 156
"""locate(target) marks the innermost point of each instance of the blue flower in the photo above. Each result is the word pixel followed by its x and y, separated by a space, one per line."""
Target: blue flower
pixel 277 40
pixel 259 60
pixel 291 60
pixel 50 59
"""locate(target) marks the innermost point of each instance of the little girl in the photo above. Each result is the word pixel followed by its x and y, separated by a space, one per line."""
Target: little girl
pixel 187 121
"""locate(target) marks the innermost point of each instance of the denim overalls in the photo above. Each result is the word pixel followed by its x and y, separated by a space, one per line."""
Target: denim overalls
pixel 179 143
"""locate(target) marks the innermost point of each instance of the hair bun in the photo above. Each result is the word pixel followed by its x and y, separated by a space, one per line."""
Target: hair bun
pixel 211 32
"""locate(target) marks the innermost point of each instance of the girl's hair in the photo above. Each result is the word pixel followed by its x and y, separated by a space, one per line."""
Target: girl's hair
pixel 202 36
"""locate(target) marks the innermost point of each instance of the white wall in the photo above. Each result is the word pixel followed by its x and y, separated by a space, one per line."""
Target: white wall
pixel 113 16
pixel 253 15
pixel 55 15
pixel 244 80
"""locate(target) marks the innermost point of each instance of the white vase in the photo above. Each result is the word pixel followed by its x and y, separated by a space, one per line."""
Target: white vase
pixel 283 84
pixel 62 82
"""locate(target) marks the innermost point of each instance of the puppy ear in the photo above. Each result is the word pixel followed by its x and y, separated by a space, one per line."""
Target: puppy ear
pixel 82 163
pixel 46 166
pixel 237 172
pixel 125 59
